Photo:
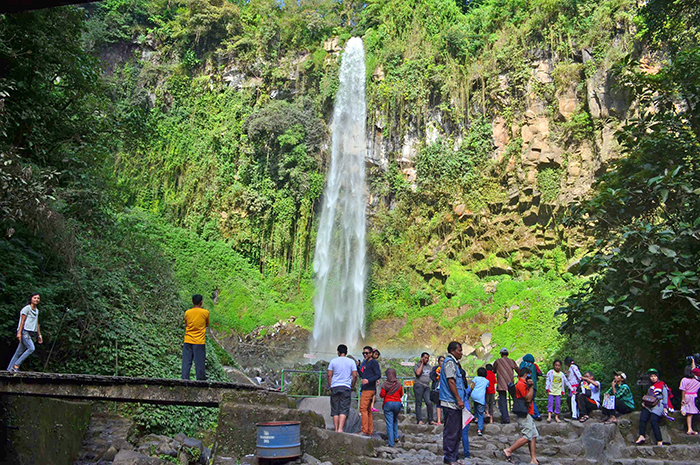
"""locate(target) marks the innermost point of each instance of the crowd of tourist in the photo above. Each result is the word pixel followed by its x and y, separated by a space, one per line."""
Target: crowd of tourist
pixel 458 400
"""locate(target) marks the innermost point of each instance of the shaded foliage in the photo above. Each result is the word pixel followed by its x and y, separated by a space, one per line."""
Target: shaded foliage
pixel 646 217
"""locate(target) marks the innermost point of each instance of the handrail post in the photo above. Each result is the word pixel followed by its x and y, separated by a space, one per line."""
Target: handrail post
pixel 282 381
pixel 320 372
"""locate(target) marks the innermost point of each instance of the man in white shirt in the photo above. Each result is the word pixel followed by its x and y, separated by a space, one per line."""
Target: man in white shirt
pixel 342 376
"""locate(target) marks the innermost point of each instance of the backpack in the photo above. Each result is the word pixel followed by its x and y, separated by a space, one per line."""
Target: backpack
pixel 520 407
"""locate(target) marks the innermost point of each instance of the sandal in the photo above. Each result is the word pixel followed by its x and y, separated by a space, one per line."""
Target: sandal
pixel 509 458
pixel 641 443
pixel 584 419
pixel 692 433
pixel 479 433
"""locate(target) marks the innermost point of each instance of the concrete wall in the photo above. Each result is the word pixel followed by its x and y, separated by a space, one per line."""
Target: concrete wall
pixel 35 430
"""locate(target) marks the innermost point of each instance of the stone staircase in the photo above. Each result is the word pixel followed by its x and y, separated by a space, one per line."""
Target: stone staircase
pixel 569 442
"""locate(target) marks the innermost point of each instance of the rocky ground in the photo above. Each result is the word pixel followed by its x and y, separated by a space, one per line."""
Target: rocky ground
pixel 112 439
pixel 267 350
pixel 570 442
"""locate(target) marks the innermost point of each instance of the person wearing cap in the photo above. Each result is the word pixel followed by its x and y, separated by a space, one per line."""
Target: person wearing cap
pixel 653 412
pixel 505 367
pixel 624 402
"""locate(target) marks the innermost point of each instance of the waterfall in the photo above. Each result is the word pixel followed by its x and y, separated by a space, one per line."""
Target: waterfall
pixel 339 260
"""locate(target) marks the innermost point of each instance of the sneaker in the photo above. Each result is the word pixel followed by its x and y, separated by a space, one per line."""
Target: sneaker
pixel 374 409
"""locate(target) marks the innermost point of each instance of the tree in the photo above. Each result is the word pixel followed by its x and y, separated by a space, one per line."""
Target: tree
pixel 645 215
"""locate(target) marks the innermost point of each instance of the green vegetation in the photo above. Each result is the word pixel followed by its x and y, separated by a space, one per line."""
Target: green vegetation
pixel 190 159
pixel 645 216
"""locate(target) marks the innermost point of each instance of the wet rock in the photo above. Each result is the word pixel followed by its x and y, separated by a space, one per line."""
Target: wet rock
pixel 193 444
pixel 166 449
pixel 310 459
pixel 110 454
pixel 130 457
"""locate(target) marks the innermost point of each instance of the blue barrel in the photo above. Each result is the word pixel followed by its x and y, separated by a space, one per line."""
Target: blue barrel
pixel 279 440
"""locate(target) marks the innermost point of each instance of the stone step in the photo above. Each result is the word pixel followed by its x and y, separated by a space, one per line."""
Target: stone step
pixel 639 461
pixel 670 452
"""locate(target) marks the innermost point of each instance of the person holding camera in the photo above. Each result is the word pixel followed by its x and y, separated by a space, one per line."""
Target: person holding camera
pixel 654 404
pixel 525 392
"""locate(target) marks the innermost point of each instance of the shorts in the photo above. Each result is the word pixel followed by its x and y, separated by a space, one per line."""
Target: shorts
pixel 340 400
pixel 528 428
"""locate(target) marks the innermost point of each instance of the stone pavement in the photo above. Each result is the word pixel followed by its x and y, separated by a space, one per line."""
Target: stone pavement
pixel 569 442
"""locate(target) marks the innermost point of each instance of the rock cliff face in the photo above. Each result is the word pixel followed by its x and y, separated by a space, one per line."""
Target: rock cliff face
pixel 550 145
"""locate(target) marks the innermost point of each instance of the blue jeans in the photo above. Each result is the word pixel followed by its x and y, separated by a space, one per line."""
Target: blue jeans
pixel 24 349
pixel 465 437
pixel 198 352
pixel 479 410
pixel 391 416
pixel 534 405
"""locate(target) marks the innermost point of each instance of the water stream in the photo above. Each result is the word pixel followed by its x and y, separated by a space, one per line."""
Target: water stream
pixel 339 260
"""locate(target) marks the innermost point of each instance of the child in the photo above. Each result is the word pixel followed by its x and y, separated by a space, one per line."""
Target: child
pixel 491 390
pixel 479 386
pixel 556 381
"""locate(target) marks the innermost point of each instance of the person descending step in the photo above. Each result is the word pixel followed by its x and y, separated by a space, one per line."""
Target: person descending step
pixel 525 392
pixel 194 347
pixel 556 383
pixel 370 373
pixel 466 413
pixel 421 388
pixel 27 329
pixel 505 367
pixel 391 392
pixel 342 376
pixel 452 398
pixel 491 391
pixel 479 386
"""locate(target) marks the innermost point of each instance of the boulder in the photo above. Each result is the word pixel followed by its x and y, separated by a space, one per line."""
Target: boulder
pixel 110 454
pixel 130 457
pixel 310 459
pixel 193 444
pixel 322 406
pixel 237 432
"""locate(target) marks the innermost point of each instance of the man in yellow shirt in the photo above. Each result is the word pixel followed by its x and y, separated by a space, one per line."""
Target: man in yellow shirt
pixel 196 322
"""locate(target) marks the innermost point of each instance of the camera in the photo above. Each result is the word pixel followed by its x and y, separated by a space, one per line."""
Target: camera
pixel 689 359
pixel 528 376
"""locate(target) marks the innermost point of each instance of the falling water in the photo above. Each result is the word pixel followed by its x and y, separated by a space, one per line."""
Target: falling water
pixel 339 261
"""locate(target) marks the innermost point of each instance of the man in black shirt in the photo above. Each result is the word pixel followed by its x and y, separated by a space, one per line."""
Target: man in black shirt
pixel 370 373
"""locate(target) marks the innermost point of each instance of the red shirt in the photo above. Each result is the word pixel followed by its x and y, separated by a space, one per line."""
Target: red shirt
pixel 395 397
pixel 521 391
pixel 491 376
